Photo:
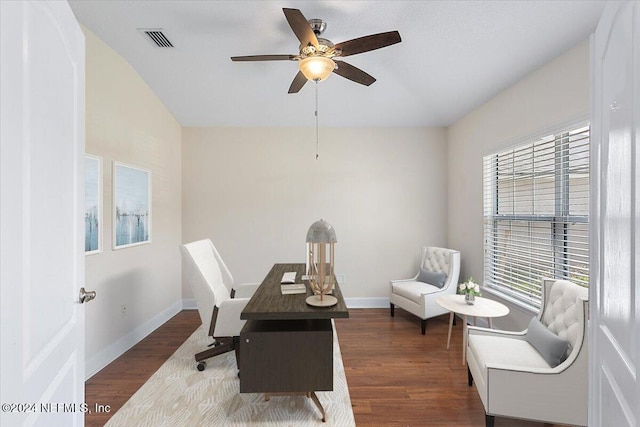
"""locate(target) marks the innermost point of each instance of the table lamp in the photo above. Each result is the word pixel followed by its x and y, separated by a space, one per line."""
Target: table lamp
pixel 321 274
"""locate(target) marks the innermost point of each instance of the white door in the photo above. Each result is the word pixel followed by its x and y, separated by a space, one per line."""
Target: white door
pixel 41 219
pixel 614 341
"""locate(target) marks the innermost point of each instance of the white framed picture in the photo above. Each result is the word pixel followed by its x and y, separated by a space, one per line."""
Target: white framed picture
pixel 92 204
pixel 131 206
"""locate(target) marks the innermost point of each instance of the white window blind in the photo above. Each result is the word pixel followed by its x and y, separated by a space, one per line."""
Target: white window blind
pixel 536 207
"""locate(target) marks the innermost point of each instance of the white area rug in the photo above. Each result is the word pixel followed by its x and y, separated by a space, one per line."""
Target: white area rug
pixel 179 395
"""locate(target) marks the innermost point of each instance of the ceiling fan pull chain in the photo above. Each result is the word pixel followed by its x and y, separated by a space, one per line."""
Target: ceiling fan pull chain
pixel 317 139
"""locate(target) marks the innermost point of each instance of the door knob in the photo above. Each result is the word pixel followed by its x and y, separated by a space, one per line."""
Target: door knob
pixel 86 296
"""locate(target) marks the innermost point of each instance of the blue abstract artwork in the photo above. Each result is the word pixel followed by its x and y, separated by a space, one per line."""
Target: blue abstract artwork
pixel 132 211
pixel 93 204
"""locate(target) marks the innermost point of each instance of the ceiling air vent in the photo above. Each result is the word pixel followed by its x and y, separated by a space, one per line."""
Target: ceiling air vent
pixel 156 36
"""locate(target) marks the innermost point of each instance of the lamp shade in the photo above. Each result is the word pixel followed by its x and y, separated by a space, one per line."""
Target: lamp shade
pixel 316 68
pixel 321 232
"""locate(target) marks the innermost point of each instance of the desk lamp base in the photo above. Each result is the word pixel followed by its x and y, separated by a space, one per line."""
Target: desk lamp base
pixel 327 301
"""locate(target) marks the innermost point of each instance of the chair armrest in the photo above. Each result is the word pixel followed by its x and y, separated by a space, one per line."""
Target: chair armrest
pixel 495 367
pixel 404 280
pixel 245 290
pixel 477 330
pixel 228 323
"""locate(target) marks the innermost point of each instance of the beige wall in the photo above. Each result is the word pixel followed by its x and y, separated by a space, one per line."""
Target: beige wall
pixel 555 94
pixel 126 122
pixel 256 191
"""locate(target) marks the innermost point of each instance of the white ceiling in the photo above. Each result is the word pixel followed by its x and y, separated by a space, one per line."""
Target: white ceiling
pixel 454 56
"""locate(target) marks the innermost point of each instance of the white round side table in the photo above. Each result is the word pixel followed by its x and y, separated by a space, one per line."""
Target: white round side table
pixel 483 307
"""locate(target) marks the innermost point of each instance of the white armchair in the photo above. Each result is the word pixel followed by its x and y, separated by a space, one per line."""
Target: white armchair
pixel 515 380
pixel 417 297
pixel 219 310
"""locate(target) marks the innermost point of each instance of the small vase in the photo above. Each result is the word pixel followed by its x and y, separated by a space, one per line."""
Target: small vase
pixel 470 299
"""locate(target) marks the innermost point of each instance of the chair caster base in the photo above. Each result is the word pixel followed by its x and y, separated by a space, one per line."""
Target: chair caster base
pixel 201 365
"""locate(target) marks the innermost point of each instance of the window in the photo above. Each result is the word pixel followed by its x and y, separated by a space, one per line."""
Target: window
pixel 536 214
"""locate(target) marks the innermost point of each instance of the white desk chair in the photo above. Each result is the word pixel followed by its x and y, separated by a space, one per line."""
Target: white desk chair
pixel 218 308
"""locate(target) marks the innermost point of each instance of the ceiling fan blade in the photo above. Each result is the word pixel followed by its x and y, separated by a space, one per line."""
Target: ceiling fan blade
pixel 367 43
pixel 264 58
pixel 301 27
pixel 355 74
pixel 298 81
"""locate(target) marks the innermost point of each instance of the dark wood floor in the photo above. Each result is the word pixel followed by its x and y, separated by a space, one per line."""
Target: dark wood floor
pixel 397 377
pixel 119 380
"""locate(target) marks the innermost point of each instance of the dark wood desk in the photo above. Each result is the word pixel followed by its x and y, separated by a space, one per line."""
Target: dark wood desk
pixel 286 346
pixel 268 303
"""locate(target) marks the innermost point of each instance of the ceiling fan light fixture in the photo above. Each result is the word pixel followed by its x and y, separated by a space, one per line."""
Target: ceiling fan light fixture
pixel 316 68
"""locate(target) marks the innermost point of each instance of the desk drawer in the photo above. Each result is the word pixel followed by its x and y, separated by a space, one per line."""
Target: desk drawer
pixel 279 356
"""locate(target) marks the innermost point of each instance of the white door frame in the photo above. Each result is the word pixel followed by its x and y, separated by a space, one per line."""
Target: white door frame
pixel 614 332
pixel 41 214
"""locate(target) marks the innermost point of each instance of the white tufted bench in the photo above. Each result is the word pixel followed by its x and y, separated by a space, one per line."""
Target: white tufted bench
pixel 514 380
pixel 419 298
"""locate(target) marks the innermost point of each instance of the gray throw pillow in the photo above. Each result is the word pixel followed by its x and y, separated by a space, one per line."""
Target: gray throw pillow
pixel 435 279
pixel 550 346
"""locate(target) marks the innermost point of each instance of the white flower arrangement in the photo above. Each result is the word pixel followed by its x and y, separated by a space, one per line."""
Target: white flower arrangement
pixel 469 287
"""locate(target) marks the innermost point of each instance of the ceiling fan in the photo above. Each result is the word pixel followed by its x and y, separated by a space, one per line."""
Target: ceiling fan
pixel 317 57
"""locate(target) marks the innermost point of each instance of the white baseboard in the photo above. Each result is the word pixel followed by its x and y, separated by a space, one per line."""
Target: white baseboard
pixel 367 302
pixel 379 302
pixel 115 350
pixel 190 304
